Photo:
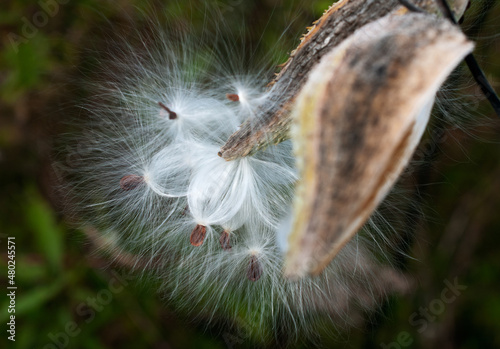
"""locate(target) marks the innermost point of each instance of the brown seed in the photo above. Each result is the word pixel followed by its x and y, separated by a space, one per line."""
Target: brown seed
pixel 225 241
pixel 198 235
pixel 233 97
pixel 130 182
pixel 254 271
pixel 171 114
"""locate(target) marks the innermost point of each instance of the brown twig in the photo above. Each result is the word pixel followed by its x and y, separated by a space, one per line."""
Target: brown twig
pixel 340 21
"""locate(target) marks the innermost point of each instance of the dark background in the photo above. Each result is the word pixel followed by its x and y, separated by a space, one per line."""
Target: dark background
pixel 457 179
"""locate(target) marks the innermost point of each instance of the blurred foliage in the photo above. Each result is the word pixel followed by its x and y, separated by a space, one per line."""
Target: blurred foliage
pixel 58 269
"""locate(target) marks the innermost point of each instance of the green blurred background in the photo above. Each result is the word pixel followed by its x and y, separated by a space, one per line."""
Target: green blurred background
pixel 458 192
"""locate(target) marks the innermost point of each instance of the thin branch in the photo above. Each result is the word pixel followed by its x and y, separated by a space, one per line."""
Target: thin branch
pixel 410 6
pixel 472 63
pixel 340 21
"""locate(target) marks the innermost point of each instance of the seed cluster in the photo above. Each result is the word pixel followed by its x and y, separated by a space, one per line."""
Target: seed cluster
pixel 220 193
pixel 214 232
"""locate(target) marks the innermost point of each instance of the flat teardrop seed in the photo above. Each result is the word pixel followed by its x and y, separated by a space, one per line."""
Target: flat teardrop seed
pixel 171 114
pixel 233 97
pixel 198 235
pixel 225 241
pixel 130 182
pixel 254 271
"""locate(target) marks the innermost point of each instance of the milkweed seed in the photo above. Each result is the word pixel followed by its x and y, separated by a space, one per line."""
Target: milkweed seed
pixel 254 271
pixel 130 182
pixel 225 241
pixel 198 235
pixel 171 114
pixel 233 97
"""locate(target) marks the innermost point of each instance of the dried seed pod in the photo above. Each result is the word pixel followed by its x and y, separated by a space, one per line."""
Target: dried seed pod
pixel 233 97
pixel 171 114
pixel 359 119
pixel 225 241
pixel 198 235
pixel 254 271
pixel 130 182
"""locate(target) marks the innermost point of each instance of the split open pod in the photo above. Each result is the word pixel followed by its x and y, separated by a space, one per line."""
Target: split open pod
pixel 357 122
